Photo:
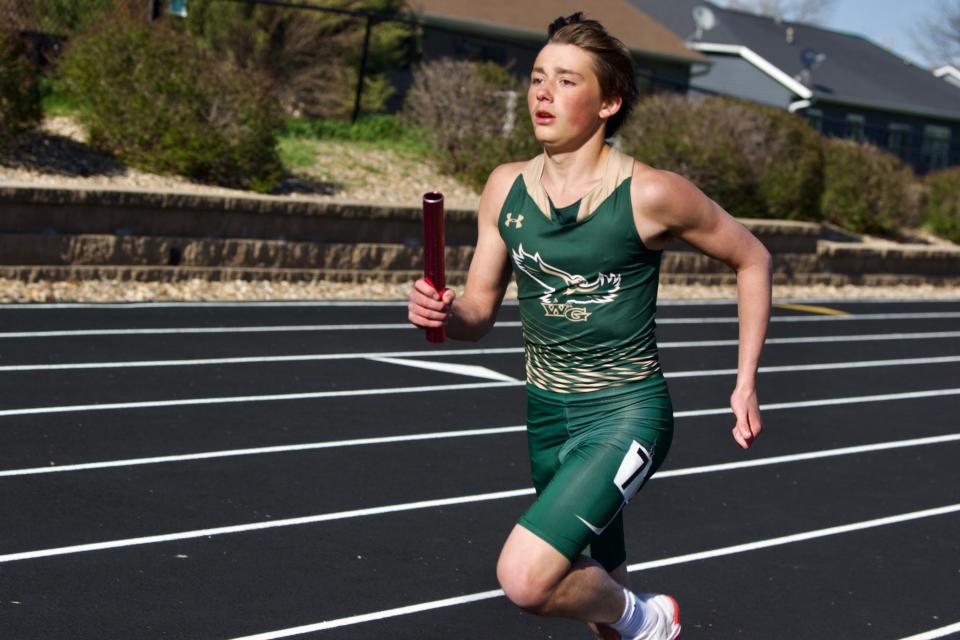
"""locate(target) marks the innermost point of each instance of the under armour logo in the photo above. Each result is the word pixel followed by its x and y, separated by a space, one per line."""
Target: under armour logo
pixel 511 220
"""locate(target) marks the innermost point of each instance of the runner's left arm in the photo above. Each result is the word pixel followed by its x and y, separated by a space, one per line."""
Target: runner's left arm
pixel 688 214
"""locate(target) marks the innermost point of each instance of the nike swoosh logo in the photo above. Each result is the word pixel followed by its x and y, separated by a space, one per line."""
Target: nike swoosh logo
pixel 596 530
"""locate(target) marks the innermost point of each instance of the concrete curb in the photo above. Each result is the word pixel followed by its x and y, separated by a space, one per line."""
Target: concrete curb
pixel 53 211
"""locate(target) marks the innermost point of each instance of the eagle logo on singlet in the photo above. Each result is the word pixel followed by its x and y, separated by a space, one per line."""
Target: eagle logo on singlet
pixel 566 295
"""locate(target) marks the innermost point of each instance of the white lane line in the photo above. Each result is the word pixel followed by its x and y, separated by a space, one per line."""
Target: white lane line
pixel 377 615
pixel 27 306
pixel 483 372
pixel 264 359
pixel 474 371
pixel 279 328
pixel 443 353
pixel 664 562
pixel 402 390
pixel 931 335
pixel 799 404
pixel 824 366
pixel 259 526
pixel 266 398
pixel 811 455
pixel 405 325
pixel 443 502
pixel 439 435
pixel 910 395
pixel 931 315
pixel 942 632
pixel 330 444
pixel 797 537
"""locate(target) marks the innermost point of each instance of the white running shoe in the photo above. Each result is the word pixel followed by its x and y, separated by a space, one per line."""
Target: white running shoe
pixel 668 617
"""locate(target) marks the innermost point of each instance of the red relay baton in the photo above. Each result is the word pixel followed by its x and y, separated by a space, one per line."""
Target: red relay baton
pixel 433 257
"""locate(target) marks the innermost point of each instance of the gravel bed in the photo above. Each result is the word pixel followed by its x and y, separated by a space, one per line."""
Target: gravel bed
pixel 203 290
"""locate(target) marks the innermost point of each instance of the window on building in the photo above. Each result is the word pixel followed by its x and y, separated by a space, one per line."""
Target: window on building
pixel 898 138
pixel 815 118
pixel 644 78
pixel 936 146
pixel 856 125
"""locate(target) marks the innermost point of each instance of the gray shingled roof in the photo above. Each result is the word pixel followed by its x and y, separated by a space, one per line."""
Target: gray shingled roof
pixel 856 71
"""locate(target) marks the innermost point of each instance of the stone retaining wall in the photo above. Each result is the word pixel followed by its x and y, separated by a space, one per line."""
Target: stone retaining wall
pixel 57 234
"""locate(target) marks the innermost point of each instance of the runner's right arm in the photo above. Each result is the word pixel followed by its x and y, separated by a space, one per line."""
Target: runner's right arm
pixel 471 316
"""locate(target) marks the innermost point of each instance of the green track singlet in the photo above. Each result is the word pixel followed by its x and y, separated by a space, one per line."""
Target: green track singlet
pixel 587 285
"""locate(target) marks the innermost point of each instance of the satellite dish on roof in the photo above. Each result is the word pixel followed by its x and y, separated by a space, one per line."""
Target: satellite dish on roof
pixel 812 59
pixel 704 19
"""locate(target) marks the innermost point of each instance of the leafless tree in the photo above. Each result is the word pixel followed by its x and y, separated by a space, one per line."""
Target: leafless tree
pixel 937 35
pixel 800 10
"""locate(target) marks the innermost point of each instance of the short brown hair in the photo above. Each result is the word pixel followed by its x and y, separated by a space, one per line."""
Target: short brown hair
pixel 612 61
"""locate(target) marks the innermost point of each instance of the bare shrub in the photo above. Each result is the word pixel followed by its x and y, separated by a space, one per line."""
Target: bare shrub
pixel 465 110
pixel 312 57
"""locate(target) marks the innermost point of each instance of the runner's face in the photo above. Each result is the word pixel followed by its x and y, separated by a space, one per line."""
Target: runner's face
pixel 564 95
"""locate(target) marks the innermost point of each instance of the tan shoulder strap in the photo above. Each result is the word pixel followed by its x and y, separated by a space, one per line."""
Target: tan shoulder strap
pixel 531 179
pixel 618 168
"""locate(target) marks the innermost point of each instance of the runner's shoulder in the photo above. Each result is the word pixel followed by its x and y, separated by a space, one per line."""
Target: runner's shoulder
pixel 498 186
pixel 505 174
pixel 657 190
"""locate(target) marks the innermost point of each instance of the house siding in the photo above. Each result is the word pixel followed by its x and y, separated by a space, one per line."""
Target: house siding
pixel 917 140
pixel 517 56
pixel 913 138
pixel 734 76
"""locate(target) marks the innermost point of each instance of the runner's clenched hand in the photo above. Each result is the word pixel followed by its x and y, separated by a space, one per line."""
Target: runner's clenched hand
pixel 746 408
pixel 426 308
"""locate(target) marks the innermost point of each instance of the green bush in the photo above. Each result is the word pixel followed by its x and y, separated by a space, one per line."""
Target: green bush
pixel 942 212
pixel 865 188
pixel 464 110
pixel 155 99
pixel 787 159
pixel 65 17
pixel 19 91
pixel 757 162
pixel 672 133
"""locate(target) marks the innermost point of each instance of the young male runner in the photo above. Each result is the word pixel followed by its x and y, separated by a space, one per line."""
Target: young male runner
pixel 582 227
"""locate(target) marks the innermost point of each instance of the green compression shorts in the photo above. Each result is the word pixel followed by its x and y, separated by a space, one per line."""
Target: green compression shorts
pixel 589 455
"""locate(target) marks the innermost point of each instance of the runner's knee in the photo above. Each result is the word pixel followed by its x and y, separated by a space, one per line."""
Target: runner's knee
pixel 523 584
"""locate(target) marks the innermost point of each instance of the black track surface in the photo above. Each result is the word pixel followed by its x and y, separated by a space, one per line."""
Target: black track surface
pixel 886 581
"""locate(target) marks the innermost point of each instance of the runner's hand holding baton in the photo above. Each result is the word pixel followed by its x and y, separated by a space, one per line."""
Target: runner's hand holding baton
pixel 433 253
